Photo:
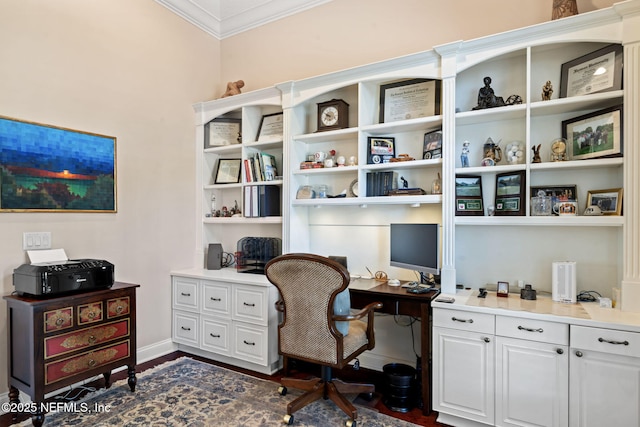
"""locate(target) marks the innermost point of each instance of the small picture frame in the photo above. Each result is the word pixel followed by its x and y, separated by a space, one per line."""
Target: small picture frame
pixel 227 171
pixel 409 99
pixel 599 71
pixel 271 128
pixel 597 134
pixel 503 289
pixel 469 195
pixel 609 201
pixel 222 131
pixel 510 189
pixel 432 148
pixel 381 149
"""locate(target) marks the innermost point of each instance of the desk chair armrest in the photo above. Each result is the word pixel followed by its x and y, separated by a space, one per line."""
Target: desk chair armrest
pixel 366 311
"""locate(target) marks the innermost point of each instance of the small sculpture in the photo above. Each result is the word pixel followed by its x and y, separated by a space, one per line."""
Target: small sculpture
pixel 492 153
pixel 405 183
pixel 547 90
pixel 487 98
pixel 536 154
pixel 233 88
pixel 464 157
pixel 564 8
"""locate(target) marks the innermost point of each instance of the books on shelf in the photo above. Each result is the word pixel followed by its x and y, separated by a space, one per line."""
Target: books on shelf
pixel 262 201
pixel 381 183
pixel 260 167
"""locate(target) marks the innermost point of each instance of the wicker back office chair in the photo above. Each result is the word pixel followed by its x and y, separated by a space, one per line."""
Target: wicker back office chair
pixel 308 286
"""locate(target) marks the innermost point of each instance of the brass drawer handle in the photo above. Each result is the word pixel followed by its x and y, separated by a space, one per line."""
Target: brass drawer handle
pixel 522 328
pixel 614 342
pixel 91 314
pixel 455 319
pixel 91 363
pixel 59 321
pixel 92 339
pixel 119 309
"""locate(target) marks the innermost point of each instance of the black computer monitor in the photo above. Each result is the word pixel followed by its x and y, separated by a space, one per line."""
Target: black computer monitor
pixel 416 247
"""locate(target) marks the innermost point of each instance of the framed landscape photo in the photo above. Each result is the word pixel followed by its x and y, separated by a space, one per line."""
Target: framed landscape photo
pixel 45 168
pixel 469 195
pixel 222 131
pixel 409 99
pixel 227 171
pixel 381 149
pixel 599 71
pixel 510 189
pixel 271 128
pixel 609 201
pixel 597 134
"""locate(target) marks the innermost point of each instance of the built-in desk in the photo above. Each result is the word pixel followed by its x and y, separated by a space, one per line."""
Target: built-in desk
pixel 396 300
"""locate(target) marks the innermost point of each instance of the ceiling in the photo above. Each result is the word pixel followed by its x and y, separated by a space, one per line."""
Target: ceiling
pixel 224 18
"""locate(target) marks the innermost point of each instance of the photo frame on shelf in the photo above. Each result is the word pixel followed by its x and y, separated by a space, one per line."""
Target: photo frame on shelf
pixel 609 201
pixel 223 131
pixel 558 193
pixel 227 171
pixel 409 99
pixel 381 149
pixel 271 128
pixel 469 195
pixel 598 71
pixel 432 148
pixel 597 134
pixel 502 289
pixel 510 189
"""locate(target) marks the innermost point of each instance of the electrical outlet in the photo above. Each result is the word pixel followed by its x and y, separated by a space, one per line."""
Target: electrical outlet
pixel 36 240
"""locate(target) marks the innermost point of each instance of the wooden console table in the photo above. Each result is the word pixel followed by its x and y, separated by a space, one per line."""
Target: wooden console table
pixel 55 342
pixel 396 300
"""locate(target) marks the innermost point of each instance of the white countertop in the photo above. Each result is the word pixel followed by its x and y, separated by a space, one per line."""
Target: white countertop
pixel 543 308
pixel 225 274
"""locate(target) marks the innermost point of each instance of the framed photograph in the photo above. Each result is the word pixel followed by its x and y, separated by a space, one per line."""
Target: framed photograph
pixel 503 289
pixel 510 189
pixel 381 149
pixel 409 99
pixel 469 195
pixel 609 201
pixel 271 128
pixel 228 171
pixel 432 148
pixel 222 131
pixel 46 168
pixel 599 71
pixel 598 134
pixel 558 193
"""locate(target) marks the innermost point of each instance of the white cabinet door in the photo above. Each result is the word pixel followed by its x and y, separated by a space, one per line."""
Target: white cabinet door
pixel 532 385
pixel 464 374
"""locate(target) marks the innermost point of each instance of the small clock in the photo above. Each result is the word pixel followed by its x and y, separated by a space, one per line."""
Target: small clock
pixel 333 115
pixel 558 150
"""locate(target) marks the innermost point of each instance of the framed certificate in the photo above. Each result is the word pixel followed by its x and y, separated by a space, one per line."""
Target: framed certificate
pixel 599 71
pixel 510 187
pixel 228 171
pixel 409 99
pixel 222 131
pixel 469 195
pixel 271 128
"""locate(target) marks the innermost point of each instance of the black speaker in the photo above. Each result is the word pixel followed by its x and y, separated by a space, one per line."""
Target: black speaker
pixel 214 256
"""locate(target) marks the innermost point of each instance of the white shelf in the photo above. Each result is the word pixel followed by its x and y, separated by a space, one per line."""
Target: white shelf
pixel 411 164
pixel 576 103
pixel 508 112
pixel 579 164
pixel 242 220
pixel 331 135
pixel 487 170
pixel 322 171
pixel 549 221
pixel 365 201
pixel 422 123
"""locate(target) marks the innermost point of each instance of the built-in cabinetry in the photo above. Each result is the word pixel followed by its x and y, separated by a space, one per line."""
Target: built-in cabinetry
pixel 504 366
pixel 226 316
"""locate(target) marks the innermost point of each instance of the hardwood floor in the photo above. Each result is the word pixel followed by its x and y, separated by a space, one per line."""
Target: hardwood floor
pixel 297 369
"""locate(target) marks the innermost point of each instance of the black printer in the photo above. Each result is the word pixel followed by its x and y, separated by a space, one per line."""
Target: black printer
pixel 74 275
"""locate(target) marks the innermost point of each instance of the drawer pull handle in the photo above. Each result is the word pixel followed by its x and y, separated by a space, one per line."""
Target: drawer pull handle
pixel 614 342
pixel 59 321
pixel 522 328
pixel 92 339
pixel 579 353
pixel 91 363
pixel 486 339
pixel 91 314
pixel 184 328
pixel 559 351
pixel 214 336
pixel 455 319
pixel 119 309
pixel 248 305
pixel 216 299
pixel 184 294
pixel 249 343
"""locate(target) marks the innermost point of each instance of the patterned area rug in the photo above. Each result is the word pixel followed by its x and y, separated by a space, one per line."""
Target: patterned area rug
pixel 186 392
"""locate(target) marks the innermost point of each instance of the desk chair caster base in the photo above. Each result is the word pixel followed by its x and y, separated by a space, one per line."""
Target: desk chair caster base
pixel 288 419
pixel 282 390
pixel 350 423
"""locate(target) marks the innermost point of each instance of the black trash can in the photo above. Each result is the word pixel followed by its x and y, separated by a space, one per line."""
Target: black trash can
pixel 400 387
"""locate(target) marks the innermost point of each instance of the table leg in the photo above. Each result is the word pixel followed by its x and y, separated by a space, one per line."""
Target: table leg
pixel 107 379
pixel 425 356
pixel 132 378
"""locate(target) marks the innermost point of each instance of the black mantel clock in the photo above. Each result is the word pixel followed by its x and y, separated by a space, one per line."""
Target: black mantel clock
pixel 333 115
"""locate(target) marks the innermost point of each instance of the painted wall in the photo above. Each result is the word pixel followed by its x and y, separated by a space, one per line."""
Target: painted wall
pixel 129 69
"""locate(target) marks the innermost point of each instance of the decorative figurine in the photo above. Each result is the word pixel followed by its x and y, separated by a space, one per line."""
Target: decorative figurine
pixel 436 185
pixel 352 160
pixel 492 153
pixel 536 154
pixel 487 98
pixel 564 8
pixel 515 153
pixel 405 183
pixel 464 157
pixel 233 88
pixel 547 90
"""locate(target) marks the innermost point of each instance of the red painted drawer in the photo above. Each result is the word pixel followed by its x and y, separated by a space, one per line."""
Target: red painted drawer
pixel 56 320
pixel 77 340
pixel 89 313
pixel 118 307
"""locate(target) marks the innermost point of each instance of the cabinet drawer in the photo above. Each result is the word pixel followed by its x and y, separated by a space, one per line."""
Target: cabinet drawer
pixel 532 330
pixel 216 335
pixel 464 320
pixel 250 304
pixel 76 340
pixel 62 369
pixel 250 343
pixel 90 313
pixel 185 328
pixel 118 307
pixel 185 294
pixel 606 340
pixel 56 320
pixel 216 298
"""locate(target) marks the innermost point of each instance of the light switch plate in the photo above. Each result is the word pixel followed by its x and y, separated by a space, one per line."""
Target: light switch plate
pixel 36 240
